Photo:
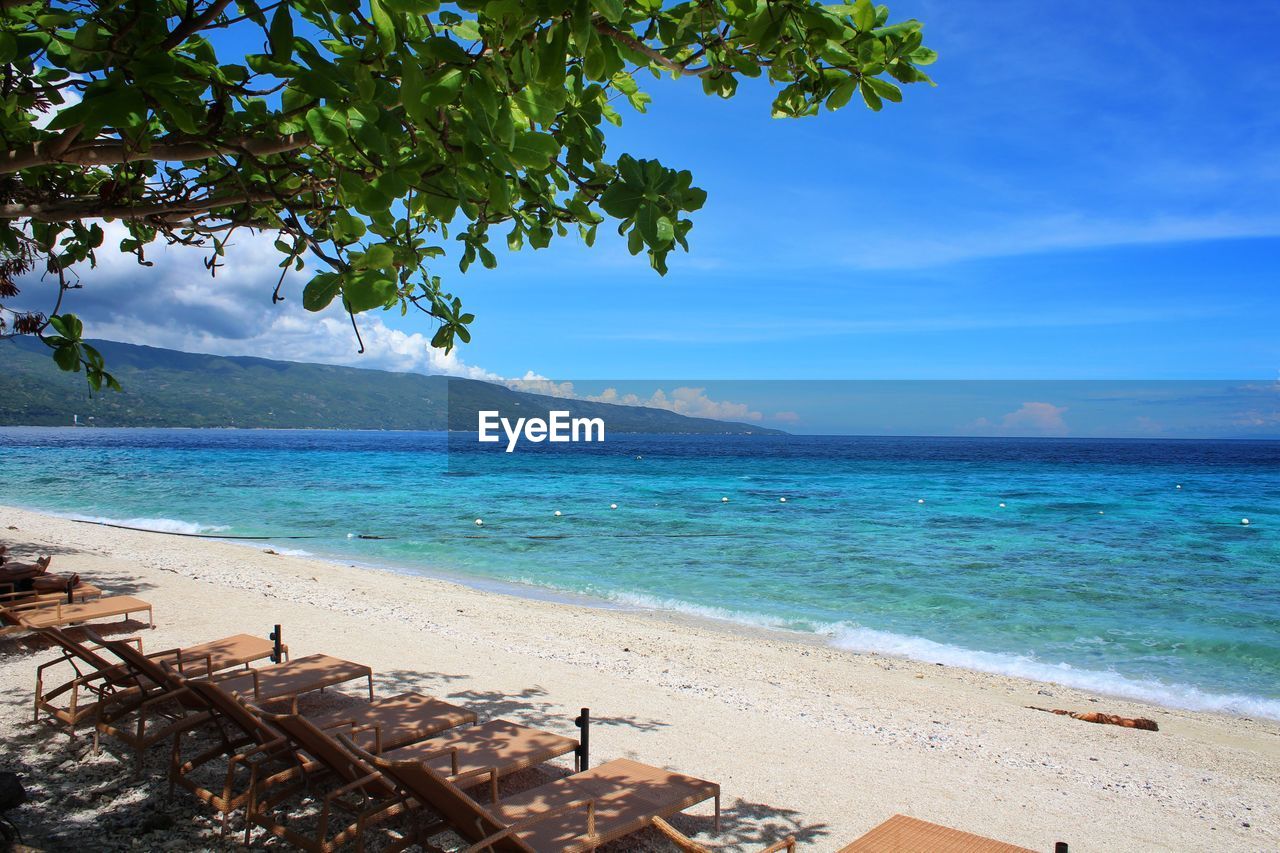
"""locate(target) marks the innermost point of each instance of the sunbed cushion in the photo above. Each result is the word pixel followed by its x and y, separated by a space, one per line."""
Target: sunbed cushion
pixel 500 743
pixel 404 719
pixel 299 675
pixel 628 795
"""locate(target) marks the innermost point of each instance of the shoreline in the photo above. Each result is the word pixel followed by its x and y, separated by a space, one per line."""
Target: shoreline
pixel 817 740
pixel 1104 683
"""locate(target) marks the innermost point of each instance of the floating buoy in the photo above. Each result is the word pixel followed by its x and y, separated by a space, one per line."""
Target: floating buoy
pixel 639 456
pixel 782 500
pixel 1244 521
pixel 724 500
pixel 1179 486
pixel 613 506
pixel 557 513
pixel 479 522
pixel 351 536
pixel 1100 512
pixel 1002 506
pixel 920 501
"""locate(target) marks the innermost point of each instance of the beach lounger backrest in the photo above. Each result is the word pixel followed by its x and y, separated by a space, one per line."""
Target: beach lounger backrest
pixel 76 649
pixel 114 673
pixel 229 707
pixel 463 814
pixel 322 747
pixel 150 673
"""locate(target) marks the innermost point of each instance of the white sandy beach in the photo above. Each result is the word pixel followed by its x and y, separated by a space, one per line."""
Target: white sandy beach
pixel 804 739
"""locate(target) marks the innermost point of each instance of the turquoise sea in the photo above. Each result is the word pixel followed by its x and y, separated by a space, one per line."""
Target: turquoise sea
pixel 1118 566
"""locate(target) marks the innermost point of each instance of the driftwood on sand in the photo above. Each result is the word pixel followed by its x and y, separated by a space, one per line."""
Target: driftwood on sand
pixel 1106 719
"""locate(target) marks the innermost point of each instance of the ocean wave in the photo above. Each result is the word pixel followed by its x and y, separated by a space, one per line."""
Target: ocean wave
pixel 1022 666
pixel 155 525
pixel 859 639
pixel 653 602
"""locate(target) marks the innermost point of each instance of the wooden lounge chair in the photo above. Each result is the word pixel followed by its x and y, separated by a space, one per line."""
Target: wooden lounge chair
pixel 162 696
pixel 902 834
pixel 579 812
pixel 74 701
pixel 688 845
pixel 472 755
pixel 254 747
pixel 57 613
pixel 70 590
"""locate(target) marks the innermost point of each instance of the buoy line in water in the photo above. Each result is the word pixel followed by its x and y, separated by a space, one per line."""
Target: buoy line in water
pixel 193 535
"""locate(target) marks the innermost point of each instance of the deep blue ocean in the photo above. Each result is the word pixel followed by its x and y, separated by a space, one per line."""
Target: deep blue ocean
pixel 1119 566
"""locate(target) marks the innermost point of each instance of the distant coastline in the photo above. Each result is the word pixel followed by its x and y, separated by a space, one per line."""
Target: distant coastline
pixel 170 389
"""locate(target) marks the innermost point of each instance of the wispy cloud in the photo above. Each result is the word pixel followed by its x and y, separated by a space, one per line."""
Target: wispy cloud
pixel 1031 418
pixel 683 400
pixel 176 304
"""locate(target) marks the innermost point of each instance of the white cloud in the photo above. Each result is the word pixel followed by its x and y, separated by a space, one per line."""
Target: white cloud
pixel 1036 235
pixel 177 304
pixel 683 400
pixel 1030 419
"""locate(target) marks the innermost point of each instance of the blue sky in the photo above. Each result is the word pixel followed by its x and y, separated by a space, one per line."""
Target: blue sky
pixel 1090 192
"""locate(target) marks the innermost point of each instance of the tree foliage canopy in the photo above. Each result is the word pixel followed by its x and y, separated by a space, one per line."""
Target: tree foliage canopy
pixel 366 133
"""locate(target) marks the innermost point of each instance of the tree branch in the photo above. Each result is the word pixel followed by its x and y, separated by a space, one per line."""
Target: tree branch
pixel 629 40
pixel 45 153
pixel 93 208
pixel 193 25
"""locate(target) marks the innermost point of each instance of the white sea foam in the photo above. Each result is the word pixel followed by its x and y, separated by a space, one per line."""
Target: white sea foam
pixel 1023 666
pixel 653 602
pixel 156 525
pixel 859 639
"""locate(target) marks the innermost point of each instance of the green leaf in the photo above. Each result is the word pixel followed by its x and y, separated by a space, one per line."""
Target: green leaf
pixel 281 33
pixel 379 256
pixel 611 9
pixel 842 94
pixel 320 291
pixel 534 150
pixel 924 56
pixel 468 30
pixel 67 357
pixel 864 15
pixel 871 98
pixel 621 199
pixel 443 88
pixel 884 89
pixel 383 23
pixel 328 127
pixel 446 50
pixel 368 290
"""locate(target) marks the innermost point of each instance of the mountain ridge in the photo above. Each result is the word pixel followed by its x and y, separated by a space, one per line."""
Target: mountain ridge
pixel 173 388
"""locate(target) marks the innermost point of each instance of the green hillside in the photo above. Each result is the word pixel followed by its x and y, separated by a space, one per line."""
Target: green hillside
pixel 167 388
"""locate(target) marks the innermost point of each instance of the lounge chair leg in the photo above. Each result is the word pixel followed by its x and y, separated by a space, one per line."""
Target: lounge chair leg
pixel 371 687
pixel 717 823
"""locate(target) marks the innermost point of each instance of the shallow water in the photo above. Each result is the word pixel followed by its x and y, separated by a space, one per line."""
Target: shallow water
pixel 1097 571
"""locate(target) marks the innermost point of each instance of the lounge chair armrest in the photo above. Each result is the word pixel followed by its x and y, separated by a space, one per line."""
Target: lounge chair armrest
pixel 461 779
pixel 137 641
pixel 590 805
pixel 376 728
pixel 788 844
pixel 678 838
pixel 452 752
